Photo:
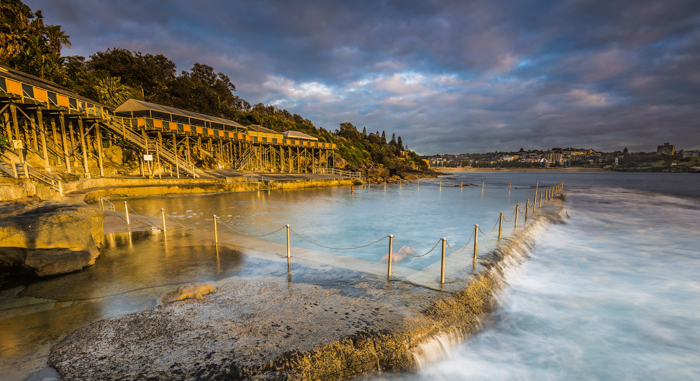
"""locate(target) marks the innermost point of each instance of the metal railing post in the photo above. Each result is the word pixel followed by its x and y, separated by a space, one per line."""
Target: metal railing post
pixel 391 251
pixel 476 238
pixel 162 218
pixel 540 200
pixel 517 211
pixel 440 184
pixel 500 225
pixel 126 210
pixel 509 184
pixel 442 267
pixel 462 187
pixel 216 232
pixel 289 246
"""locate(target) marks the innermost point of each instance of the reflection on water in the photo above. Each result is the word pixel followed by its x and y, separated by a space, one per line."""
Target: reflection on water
pixel 131 274
pixel 611 295
pixel 338 218
pixel 134 270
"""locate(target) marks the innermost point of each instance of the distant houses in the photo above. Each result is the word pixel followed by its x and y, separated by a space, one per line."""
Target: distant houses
pixel 666 149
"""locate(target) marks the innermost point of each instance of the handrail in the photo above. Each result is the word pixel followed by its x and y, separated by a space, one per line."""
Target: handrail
pixel 104 201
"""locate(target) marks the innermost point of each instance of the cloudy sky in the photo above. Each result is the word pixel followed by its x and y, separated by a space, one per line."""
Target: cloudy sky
pixel 447 76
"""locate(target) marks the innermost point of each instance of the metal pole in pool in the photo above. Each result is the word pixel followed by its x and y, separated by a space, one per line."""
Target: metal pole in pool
pixel 391 251
pixel 418 184
pixel 517 210
pixel 126 210
pixel 442 267
pixel 216 232
pixel 509 184
pixel 476 238
pixel 162 218
pixel 482 186
pixel 440 184
pixel 462 187
pixel 537 188
pixel 540 200
pixel 289 247
pixel 500 225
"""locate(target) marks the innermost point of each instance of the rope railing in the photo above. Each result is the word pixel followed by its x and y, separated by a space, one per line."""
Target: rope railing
pixel 339 248
pixel 544 196
pixel 412 255
pixel 465 245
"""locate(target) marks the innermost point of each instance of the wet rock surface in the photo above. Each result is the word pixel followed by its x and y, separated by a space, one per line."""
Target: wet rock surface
pixel 51 239
pixel 317 322
pixel 262 329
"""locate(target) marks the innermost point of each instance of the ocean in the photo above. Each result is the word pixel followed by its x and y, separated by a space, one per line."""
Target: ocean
pixel 612 294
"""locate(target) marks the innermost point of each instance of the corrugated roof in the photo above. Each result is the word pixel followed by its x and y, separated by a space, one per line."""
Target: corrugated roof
pixel 262 130
pixel 29 79
pixel 298 135
pixel 137 105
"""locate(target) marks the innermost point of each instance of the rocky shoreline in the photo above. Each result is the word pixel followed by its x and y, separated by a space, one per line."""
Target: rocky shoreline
pixel 327 323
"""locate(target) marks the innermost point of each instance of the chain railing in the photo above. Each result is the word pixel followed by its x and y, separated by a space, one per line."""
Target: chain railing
pixel 544 196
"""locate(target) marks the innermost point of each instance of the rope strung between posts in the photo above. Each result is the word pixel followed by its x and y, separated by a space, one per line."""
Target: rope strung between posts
pixel 511 217
pixel 416 256
pixel 248 235
pixel 491 231
pixel 465 245
pixel 338 248
pixel 140 215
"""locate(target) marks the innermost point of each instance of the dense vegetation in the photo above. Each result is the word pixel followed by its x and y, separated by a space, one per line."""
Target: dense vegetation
pixel 115 75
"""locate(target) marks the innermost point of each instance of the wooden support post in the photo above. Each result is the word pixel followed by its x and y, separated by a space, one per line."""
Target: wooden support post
pixel 35 139
pixel 8 128
pixel 72 134
pixel 40 122
pixel 160 167
pixel 177 164
pixel 98 137
pixel 55 135
pixel 20 152
pixel 83 146
pixel 64 137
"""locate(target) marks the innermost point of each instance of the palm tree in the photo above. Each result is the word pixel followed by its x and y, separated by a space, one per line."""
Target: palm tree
pixel 112 92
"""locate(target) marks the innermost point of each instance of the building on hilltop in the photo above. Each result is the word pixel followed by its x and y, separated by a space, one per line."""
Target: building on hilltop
pixel 690 153
pixel 666 149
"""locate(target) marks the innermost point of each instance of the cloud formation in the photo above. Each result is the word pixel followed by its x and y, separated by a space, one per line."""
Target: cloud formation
pixel 446 76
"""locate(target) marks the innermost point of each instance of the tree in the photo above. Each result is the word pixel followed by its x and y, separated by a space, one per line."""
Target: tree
pixel 29 45
pixel 151 74
pixel 112 92
pixel 364 132
pixel 400 143
pixel 383 137
pixel 393 140
pixel 625 151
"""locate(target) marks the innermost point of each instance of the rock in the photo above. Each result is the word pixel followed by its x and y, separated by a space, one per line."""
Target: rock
pixel 114 154
pixel 189 291
pixel 51 240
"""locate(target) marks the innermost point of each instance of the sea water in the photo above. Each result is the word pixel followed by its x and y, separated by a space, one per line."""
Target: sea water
pixel 613 294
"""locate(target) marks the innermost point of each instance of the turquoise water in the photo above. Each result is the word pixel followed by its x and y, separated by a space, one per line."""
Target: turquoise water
pixel 417 215
pixel 611 295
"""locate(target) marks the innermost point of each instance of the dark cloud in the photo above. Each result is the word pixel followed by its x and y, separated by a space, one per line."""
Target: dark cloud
pixel 448 76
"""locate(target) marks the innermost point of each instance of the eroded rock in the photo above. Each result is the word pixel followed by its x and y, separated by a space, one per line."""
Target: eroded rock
pixel 50 240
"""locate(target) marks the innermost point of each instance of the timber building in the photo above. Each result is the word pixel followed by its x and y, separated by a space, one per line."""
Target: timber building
pixel 69 132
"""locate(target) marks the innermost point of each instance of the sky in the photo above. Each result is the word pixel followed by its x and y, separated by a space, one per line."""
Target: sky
pixel 446 76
